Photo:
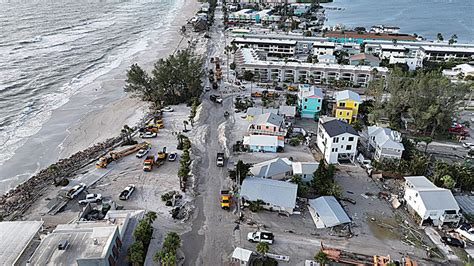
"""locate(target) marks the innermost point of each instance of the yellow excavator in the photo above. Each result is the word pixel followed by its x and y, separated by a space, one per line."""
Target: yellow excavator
pixel 114 156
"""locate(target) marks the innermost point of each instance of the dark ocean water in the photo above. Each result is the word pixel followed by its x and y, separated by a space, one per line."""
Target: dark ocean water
pixel 424 17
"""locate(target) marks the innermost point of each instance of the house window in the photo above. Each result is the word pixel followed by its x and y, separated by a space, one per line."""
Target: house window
pixel 347 113
pixel 340 113
pixel 342 138
pixel 305 100
pixel 319 100
pixel 351 138
pixel 317 108
pixel 336 140
pixel 355 104
pixel 305 107
pixel 342 104
pixel 348 147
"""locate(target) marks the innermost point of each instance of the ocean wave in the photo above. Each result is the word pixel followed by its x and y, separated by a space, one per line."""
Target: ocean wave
pixel 29 41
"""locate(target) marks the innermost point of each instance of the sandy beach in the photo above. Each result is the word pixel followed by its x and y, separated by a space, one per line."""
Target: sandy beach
pixel 97 112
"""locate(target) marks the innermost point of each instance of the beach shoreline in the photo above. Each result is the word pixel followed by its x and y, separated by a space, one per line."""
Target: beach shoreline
pixel 97 112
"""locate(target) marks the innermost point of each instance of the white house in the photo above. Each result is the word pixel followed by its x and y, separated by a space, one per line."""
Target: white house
pixel 460 71
pixel 432 204
pixel 337 140
pixel 277 195
pixel 263 143
pixel 322 47
pixel 278 168
pixel 242 256
pixel 385 143
pixel 305 170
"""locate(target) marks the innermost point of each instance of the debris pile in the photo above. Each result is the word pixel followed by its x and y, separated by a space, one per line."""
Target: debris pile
pixel 19 199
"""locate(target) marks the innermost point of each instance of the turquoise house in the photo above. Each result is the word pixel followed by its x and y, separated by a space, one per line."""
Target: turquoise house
pixel 310 101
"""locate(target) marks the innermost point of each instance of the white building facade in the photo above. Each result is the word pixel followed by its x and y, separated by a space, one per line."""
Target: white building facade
pixel 336 140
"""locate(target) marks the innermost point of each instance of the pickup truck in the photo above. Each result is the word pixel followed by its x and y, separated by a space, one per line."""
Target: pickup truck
pixel 220 159
pixel 127 192
pixel 75 190
pixel 91 198
pixel 261 236
pixel 148 163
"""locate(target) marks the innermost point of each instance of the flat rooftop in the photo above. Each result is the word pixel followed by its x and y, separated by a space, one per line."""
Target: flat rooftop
pixel 15 238
pixel 263 40
pixel 90 240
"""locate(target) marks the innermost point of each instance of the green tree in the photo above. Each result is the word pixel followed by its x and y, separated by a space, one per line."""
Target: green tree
pixel 248 75
pixel 169 259
pixel 138 83
pixel 172 242
pixel 136 253
pixel 262 248
pixel 150 217
pixel 232 66
pixel 242 169
pixel 174 80
pixel 321 258
pixel 440 37
pixel 448 182
pixel 143 232
pixel 453 39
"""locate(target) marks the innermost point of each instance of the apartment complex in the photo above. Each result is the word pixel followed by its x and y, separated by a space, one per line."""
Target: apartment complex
pixel 298 72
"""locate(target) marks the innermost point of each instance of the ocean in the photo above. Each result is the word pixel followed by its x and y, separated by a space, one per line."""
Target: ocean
pixel 423 17
pixel 53 50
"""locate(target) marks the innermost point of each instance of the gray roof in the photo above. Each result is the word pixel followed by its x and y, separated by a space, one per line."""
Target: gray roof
pixel 253 111
pixel 287 110
pixel 466 203
pixel 305 168
pixel 271 167
pixel 15 238
pixel 347 94
pixel 268 118
pixel 432 197
pixel 278 193
pixel 329 211
pixel 81 239
pixel 337 127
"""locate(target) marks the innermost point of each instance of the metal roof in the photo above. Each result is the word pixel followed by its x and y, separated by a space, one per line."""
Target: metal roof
pixel 347 95
pixel 278 193
pixel 272 167
pixel 329 211
pixel 337 127
pixel 466 203
pixel 261 140
pixel 304 168
pixel 242 254
pixel 268 118
pixel 432 197
pixel 15 238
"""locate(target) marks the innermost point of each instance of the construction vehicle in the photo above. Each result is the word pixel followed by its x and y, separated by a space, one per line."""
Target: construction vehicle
pixel 218 74
pixel 148 163
pixel 220 159
pixel 162 155
pixel 292 88
pixel 225 199
pixel 114 156
pixel 256 94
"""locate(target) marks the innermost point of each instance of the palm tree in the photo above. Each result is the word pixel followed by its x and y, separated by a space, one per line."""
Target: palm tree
pixel 262 248
pixel 440 37
pixel 151 217
pixel 169 259
pixel 321 258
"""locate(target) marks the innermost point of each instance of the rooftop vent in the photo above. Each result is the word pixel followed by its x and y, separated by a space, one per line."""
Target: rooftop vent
pixel 96 242
pixel 63 244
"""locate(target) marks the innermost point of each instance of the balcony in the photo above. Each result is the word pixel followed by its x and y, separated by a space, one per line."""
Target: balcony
pixel 254 131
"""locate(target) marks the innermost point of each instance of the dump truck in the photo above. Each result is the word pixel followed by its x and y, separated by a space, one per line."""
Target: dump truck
pixel 256 94
pixel 148 163
pixel 114 156
pixel 292 88
pixel 162 155
pixel 225 199
pixel 220 159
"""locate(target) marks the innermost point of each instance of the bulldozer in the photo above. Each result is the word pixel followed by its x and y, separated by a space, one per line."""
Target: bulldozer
pixel 114 156
pixel 162 155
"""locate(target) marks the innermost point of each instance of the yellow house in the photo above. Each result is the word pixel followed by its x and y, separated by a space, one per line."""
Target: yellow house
pixel 347 105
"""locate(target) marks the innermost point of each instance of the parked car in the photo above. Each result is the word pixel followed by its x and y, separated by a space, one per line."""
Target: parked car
pixel 452 241
pixel 143 152
pixel 167 109
pixel 127 192
pixel 261 236
pixel 75 190
pixel 208 88
pixel 148 135
pixel 172 157
pixel 468 145
pixel 277 88
pixel 91 198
